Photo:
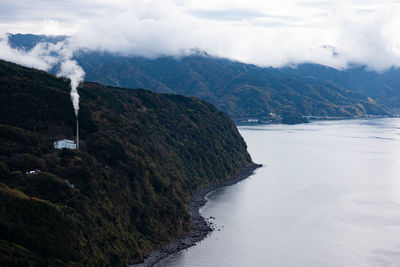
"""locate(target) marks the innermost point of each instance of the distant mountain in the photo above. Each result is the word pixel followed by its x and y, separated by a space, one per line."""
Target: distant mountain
pixel 142 156
pixel 248 91
pixel 384 87
pixel 240 90
pixel 28 41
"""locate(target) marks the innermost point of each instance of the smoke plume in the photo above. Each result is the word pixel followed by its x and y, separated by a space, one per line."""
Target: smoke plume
pixel 75 73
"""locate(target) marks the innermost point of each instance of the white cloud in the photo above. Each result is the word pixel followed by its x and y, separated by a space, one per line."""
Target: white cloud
pixel 264 32
pixel 45 56
pixel 39 57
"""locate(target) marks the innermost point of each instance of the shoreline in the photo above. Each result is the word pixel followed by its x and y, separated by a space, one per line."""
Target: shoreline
pixel 259 121
pixel 201 229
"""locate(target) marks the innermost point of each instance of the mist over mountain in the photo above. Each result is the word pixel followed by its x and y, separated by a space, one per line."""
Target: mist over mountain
pixel 244 90
pixel 266 33
pixel 29 41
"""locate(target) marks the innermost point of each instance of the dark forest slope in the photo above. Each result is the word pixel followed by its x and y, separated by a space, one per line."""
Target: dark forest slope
pixel 143 155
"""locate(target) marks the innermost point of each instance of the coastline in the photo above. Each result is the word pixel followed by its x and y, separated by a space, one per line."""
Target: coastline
pixel 261 121
pixel 201 229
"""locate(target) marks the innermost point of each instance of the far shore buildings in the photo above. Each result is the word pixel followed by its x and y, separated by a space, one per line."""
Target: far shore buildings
pixel 65 143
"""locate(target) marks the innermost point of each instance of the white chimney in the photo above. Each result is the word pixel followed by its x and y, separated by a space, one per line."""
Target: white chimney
pixel 77 133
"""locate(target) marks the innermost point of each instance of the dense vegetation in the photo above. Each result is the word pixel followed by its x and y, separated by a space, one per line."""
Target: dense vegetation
pixel 243 90
pixel 142 156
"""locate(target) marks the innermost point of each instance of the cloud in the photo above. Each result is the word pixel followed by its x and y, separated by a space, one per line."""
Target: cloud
pixel 45 56
pixel 232 14
pixel 266 33
pixel 371 39
pixel 39 57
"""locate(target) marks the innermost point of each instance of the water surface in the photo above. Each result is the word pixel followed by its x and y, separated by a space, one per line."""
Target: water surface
pixel 328 195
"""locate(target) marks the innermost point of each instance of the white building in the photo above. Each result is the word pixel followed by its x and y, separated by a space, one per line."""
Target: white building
pixel 33 172
pixel 65 143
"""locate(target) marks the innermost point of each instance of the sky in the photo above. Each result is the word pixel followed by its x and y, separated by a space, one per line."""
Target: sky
pixel 266 33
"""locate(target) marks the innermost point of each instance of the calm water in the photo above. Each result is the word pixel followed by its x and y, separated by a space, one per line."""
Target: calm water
pixel 328 195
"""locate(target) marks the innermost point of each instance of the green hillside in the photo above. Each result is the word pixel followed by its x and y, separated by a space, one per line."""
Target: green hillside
pixel 142 156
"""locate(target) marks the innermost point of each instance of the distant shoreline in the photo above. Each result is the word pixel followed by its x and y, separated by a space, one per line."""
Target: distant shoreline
pixel 201 228
pixel 264 121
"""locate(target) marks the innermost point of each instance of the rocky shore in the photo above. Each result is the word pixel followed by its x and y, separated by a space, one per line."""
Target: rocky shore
pixel 201 228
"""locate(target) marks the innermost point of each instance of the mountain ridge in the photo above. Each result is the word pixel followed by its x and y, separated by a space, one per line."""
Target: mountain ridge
pixel 238 89
pixel 248 91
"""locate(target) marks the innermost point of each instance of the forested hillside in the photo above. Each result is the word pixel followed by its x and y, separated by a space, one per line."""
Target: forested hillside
pixel 125 192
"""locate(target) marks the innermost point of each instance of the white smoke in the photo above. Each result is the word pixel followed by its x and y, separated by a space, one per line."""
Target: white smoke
pixel 46 56
pixel 70 68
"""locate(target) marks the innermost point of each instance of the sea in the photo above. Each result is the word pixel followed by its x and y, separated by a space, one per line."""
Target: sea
pixel 328 194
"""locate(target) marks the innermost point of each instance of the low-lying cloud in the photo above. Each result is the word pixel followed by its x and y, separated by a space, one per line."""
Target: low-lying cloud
pixel 47 56
pixel 266 33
